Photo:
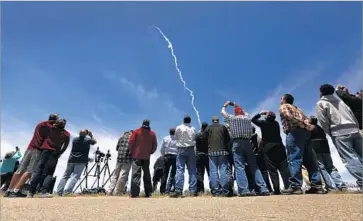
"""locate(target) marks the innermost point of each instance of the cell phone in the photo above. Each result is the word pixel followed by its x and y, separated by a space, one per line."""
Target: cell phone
pixel 231 103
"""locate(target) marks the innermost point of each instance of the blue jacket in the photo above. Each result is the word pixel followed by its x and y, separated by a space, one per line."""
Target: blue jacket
pixel 8 165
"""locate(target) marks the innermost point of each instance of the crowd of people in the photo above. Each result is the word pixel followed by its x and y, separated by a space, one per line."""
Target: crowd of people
pixel 230 152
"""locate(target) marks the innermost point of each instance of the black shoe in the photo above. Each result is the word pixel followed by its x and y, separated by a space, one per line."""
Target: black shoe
pixel 7 193
pixel 264 194
pixel 292 191
pixel 315 191
pixel 17 194
pixel 194 194
pixel 176 195
pixel 246 194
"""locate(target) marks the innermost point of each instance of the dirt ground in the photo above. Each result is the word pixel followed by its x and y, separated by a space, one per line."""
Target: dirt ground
pixel 332 207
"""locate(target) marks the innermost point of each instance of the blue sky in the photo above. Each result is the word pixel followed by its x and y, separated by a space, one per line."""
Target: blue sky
pixel 101 65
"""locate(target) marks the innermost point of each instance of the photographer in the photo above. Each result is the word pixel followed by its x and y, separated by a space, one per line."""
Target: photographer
pixel 76 162
pixel 273 149
pixel 354 102
pixel 241 132
pixel 8 164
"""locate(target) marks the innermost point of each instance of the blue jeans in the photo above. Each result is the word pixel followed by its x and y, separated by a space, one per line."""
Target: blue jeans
pixel 70 178
pixel 330 174
pixel 186 156
pixel 350 151
pixel 243 153
pixel 298 152
pixel 219 175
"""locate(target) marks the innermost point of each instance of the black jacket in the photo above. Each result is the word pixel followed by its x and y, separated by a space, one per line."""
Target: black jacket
pixel 354 103
pixel 270 130
pixel 159 163
pixel 200 145
pixel 217 137
pixel 318 140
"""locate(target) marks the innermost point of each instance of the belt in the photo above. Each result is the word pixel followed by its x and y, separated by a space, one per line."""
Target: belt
pixel 241 138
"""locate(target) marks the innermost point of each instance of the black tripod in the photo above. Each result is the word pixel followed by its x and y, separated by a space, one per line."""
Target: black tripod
pixel 99 158
pixel 105 169
pixel 97 165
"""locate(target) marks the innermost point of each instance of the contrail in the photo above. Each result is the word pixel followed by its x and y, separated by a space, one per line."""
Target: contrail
pixel 191 93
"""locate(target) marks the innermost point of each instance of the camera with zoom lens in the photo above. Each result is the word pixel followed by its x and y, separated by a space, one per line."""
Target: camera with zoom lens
pixel 108 155
pixel 99 153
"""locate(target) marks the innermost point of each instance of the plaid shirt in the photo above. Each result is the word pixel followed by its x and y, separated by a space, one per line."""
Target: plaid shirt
pixel 293 117
pixel 239 126
pixel 122 147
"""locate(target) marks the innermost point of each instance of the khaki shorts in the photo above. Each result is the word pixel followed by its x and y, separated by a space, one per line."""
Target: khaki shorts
pixel 28 162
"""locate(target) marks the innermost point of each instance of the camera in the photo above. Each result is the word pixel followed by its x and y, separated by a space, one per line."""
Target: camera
pixel 108 155
pixel 99 153
pixel 231 103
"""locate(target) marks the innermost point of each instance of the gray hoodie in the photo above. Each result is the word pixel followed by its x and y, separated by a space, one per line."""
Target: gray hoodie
pixel 335 117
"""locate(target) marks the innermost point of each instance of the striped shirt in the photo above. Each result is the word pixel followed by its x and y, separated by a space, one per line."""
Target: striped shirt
pixel 293 117
pixel 168 146
pixel 239 126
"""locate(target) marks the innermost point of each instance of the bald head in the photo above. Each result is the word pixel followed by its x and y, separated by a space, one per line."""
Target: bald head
pixel 83 133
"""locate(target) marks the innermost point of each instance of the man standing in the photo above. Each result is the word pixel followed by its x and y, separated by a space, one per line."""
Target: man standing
pixel 169 151
pixel 201 147
pixel 321 147
pixel 45 181
pixel 354 102
pixel 241 130
pixel 159 168
pixel 123 165
pixel 142 144
pixel 56 142
pixel 217 138
pixel 28 162
pixel 185 141
pixel 297 128
pixel 260 159
pixel 77 161
pixel 273 149
pixel 339 122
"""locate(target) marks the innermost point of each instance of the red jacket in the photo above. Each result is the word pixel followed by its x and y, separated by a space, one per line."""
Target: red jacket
pixel 142 144
pixel 40 133
pixel 57 140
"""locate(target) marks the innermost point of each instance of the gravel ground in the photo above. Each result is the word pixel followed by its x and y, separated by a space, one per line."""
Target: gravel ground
pixel 332 207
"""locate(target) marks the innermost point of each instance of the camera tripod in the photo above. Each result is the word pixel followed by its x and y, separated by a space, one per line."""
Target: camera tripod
pixel 99 158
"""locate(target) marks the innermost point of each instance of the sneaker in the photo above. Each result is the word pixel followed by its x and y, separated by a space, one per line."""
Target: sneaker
pixel 277 192
pixel 45 195
pixel 315 191
pixel 17 194
pixel 292 191
pixel 176 195
pixel 193 194
pixel 30 195
pixel 343 189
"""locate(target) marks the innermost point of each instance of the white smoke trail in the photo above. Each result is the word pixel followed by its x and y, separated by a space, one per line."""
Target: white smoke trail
pixel 191 93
